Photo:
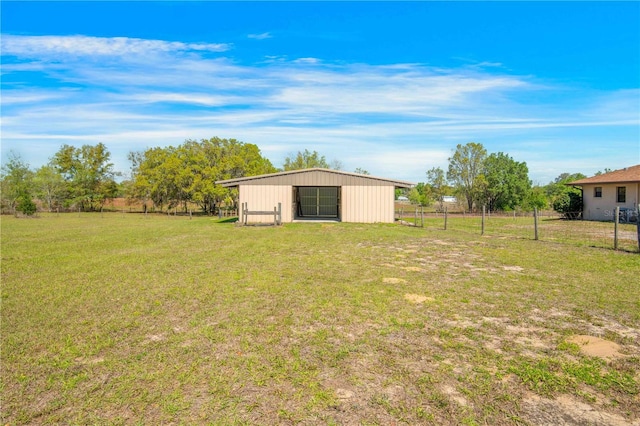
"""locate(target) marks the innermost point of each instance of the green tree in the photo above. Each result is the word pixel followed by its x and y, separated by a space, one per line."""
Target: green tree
pixel 606 170
pixel 306 160
pixel 49 187
pixel 436 185
pixel 559 184
pixel 88 172
pixel 565 198
pixel 218 159
pixel 417 194
pixel 536 197
pixel 149 180
pixel 16 181
pixel 361 171
pixel 506 182
pixel 175 176
pixel 26 205
pixel 465 168
pixel 569 204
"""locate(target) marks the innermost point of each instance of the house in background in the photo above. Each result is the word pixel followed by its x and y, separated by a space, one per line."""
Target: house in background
pixel 318 194
pixel 601 194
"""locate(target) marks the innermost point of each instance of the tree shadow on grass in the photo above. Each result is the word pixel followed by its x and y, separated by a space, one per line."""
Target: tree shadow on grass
pixel 227 220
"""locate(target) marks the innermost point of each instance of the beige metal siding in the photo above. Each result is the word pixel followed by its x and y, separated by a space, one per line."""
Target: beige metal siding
pixel 368 204
pixel 265 198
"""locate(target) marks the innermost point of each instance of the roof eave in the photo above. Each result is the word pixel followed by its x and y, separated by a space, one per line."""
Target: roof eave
pixel 232 183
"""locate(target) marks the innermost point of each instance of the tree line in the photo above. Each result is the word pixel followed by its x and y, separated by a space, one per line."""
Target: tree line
pixel 84 178
pixel 163 177
pixel 495 181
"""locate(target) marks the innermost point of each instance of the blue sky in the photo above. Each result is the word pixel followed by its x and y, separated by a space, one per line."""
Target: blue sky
pixel 390 87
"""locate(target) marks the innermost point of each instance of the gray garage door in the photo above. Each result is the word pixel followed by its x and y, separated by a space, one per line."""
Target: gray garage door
pixel 318 201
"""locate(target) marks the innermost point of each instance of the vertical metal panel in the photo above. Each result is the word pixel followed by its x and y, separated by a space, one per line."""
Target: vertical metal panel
pixel 367 204
pixel 265 198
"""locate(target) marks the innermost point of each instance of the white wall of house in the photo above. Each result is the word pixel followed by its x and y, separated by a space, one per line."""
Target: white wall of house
pixel 603 208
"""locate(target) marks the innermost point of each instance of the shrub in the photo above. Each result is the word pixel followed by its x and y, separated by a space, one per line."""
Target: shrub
pixel 26 205
pixel 569 203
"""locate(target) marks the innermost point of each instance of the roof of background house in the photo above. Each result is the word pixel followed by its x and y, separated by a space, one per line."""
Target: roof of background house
pixel 628 174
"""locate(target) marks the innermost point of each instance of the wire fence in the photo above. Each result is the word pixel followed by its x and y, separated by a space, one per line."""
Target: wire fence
pixel 546 226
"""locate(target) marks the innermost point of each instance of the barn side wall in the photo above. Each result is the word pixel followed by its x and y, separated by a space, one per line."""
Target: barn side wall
pixel 368 204
pixel 359 204
pixel 265 198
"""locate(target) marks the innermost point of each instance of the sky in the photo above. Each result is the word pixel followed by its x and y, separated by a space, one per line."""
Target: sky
pixel 389 87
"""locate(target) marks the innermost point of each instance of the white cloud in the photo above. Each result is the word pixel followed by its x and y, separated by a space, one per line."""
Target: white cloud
pixel 309 61
pixel 181 98
pixel 11 97
pixel 261 36
pixel 395 120
pixel 47 46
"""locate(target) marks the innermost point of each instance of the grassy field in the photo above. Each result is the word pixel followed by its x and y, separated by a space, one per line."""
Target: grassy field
pixel 121 319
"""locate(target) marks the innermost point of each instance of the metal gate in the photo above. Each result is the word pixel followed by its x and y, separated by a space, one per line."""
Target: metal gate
pixel 318 201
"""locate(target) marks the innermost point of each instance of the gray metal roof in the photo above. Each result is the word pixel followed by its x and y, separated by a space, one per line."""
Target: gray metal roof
pixel 314 177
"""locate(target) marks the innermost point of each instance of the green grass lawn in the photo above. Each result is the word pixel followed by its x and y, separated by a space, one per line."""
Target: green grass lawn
pixel 122 319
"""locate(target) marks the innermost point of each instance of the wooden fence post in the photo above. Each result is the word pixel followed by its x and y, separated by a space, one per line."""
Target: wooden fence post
pixel 279 213
pixel 446 215
pixel 616 219
pixel 483 213
pixel 535 223
pixel 421 216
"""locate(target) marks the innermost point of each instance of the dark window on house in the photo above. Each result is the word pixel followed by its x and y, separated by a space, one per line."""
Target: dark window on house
pixel 597 192
pixel 622 194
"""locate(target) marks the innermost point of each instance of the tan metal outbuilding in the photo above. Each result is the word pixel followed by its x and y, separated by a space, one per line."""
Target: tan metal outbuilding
pixel 318 194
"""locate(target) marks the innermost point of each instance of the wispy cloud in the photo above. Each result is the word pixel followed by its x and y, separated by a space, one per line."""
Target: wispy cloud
pixel 393 119
pixel 46 46
pixel 261 36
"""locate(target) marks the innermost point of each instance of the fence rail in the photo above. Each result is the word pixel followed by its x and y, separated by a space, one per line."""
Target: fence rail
pixel 277 214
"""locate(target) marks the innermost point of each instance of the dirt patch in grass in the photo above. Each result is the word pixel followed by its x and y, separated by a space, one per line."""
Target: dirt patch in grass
pixel 417 298
pixel 595 346
pixel 567 411
pixel 393 280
